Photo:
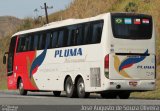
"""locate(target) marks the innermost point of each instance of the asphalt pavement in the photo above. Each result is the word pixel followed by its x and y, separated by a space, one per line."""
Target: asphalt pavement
pixel 47 99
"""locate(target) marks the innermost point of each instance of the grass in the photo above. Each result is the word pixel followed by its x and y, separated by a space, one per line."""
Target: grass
pixel 150 94
pixel 3 82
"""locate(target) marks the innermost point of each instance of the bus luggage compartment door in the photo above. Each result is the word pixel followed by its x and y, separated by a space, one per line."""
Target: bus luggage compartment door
pixel 132 66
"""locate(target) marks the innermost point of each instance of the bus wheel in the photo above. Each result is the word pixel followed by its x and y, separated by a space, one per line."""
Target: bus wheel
pixel 123 95
pixel 57 93
pixel 70 88
pixel 81 89
pixel 108 95
pixel 21 88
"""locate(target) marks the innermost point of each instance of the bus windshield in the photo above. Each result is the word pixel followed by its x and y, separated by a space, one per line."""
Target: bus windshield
pixel 131 26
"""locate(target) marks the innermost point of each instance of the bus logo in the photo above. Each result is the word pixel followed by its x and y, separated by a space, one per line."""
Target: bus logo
pixel 68 52
pixel 128 62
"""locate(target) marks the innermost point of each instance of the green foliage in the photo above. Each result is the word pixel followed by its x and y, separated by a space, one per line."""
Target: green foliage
pixel 131 7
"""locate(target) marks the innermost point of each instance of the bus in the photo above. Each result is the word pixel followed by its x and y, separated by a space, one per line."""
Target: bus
pixel 112 54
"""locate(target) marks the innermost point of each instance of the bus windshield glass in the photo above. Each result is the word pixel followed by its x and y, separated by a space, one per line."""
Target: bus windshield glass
pixel 131 26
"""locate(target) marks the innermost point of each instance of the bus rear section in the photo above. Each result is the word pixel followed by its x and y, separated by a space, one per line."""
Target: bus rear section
pixel 130 65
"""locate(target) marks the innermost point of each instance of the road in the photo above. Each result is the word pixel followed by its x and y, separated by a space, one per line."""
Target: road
pixel 45 101
pixel 47 98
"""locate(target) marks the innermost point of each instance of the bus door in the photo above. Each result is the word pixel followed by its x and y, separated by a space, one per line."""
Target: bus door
pixel 10 65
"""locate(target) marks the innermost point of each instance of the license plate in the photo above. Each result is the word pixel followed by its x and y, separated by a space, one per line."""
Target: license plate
pixel 133 83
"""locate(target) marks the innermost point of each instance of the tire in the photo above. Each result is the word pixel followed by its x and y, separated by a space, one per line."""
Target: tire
pixel 81 89
pixel 123 95
pixel 22 91
pixel 70 88
pixel 57 93
pixel 109 95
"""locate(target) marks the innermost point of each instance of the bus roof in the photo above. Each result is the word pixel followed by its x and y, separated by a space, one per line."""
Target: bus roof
pixel 60 24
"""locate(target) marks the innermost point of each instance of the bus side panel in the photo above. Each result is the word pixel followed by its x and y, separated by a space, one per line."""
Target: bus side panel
pixel 23 62
pixel 11 81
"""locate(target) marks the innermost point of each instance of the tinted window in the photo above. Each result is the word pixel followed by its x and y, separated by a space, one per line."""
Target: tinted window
pixel 26 43
pixel 41 41
pixel 26 47
pixel 80 34
pixel 97 32
pixel 65 41
pixel 35 41
pixel 87 34
pixel 49 36
pixel 131 26
pixel 21 44
pixel 71 35
pixel 31 43
pixel 55 40
pixel 61 39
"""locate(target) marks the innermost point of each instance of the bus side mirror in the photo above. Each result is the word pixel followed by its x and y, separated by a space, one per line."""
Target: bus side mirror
pixel 4 59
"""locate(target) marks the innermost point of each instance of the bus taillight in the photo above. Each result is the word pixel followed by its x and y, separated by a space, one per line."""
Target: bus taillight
pixel 106 62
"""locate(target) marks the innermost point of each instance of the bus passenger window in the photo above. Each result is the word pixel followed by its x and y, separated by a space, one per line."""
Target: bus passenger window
pixel 61 39
pixel 71 35
pixel 87 35
pixel 49 35
pixel 26 47
pixel 41 42
pixel 51 39
pixel 55 40
pixel 97 32
pixel 31 43
pixel 21 44
pixel 80 35
pixel 72 38
pixel 65 40
pixel 35 42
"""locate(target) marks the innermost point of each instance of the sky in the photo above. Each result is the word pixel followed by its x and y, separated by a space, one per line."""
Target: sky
pixel 25 8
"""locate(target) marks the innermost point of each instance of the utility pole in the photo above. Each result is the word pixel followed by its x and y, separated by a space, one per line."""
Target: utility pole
pixel 46 12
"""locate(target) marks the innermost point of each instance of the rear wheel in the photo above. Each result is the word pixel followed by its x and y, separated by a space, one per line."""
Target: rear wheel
pixel 70 88
pixel 22 91
pixel 81 89
pixel 57 93
pixel 123 95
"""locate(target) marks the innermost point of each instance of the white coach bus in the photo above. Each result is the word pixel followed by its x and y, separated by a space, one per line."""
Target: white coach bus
pixel 112 54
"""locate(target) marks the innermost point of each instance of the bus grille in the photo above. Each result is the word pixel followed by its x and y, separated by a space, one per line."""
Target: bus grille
pixel 95 77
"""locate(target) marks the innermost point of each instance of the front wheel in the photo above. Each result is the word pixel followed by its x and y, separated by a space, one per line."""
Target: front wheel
pixel 22 91
pixel 81 89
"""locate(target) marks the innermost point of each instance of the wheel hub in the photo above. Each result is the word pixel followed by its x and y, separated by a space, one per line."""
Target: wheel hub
pixel 69 87
pixel 81 88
